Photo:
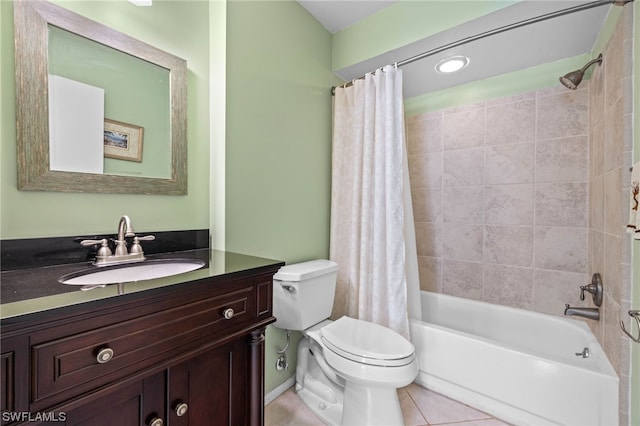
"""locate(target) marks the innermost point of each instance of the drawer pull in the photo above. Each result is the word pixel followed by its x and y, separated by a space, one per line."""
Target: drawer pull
pixel 157 422
pixel 105 355
pixel 228 313
pixel 181 409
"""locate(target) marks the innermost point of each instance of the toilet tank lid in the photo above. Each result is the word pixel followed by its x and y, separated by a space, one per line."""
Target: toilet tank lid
pixel 305 270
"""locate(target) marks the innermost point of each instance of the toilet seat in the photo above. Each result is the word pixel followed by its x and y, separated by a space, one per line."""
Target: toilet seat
pixel 367 343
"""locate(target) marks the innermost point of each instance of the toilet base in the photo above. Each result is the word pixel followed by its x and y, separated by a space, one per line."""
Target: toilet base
pixel 359 409
pixel 337 402
pixel 322 395
pixel 329 413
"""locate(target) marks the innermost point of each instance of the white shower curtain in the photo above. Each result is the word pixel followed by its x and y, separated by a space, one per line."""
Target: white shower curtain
pixel 367 201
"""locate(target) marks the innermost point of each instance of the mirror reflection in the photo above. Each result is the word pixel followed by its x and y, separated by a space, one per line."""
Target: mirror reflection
pixel 97 111
pixel 129 98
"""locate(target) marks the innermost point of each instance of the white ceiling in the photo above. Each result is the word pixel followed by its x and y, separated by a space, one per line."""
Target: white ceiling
pixel 336 15
pixel 558 38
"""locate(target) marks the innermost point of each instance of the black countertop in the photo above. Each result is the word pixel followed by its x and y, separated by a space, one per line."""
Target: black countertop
pixel 33 290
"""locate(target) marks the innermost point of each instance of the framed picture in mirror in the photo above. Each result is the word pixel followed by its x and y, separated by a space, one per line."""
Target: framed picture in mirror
pixel 123 141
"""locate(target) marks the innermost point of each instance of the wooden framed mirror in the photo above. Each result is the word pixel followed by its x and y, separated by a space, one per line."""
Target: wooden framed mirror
pixel 36 22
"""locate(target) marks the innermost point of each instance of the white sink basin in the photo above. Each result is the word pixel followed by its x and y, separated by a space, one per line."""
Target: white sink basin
pixel 127 273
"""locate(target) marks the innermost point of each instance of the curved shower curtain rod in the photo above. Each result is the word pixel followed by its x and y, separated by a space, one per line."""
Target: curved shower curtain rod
pixel 495 31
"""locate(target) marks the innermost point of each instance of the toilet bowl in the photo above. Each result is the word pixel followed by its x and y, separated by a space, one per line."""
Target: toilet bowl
pixel 348 370
pixel 370 362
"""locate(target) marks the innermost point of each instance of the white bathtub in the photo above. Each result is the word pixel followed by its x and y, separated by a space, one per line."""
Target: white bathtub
pixel 517 365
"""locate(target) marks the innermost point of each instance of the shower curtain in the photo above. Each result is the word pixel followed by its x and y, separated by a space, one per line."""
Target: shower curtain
pixel 368 203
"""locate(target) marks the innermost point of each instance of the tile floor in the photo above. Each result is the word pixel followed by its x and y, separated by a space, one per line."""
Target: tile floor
pixel 420 407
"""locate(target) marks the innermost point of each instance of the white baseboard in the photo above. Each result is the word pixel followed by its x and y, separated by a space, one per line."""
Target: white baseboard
pixel 279 390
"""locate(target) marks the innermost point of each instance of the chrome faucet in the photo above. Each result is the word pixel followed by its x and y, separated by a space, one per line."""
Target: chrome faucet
pixel 125 229
pixel 589 313
pixel 597 292
pixel 121 255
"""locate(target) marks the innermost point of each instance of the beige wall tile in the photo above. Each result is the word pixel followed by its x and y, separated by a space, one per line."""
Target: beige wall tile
pixel 561 204
pixel 430 270
pixel 509 204
pixel 425 170
pixel 513 163
pixel 562 115
pixel 464 129
pixel 562 160
pixel 596 203
pixel 429 239
pixel 510 123
pixel 597 149
pixel 508 245
pixel 427 204
pixel 614 137
pixel 562 249
pixel 553 289
pixel 463 279
pixel 463 167
pixel 463 204
pixel 462 241
pixel 508 285
pixel 424 136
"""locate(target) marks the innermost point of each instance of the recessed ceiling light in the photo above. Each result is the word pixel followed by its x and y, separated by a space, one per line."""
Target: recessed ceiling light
pixel 142 2
pixel 452 64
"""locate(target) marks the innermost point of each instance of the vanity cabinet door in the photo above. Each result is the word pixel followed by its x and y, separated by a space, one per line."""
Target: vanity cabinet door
pixel 210 389
pixel 14 378
pixel 138 403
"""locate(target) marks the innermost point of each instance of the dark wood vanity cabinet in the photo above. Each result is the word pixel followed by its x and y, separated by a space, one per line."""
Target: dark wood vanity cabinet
pixel 186 354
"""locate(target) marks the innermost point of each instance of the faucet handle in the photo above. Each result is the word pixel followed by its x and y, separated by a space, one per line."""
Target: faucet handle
pixel 136 248
pixel 88 243
pixel 582 289
pixel 595 288
pixel 104 250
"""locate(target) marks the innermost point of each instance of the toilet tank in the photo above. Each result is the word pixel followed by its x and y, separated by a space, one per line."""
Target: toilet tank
pixel 303 293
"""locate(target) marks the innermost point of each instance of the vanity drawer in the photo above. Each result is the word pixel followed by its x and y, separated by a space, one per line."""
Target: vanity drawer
pixel 78 363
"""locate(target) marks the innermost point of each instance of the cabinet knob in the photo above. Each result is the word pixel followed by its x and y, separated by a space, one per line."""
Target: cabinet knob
pixel 156 422
pixel 104 355
pixel 181 409
pixel 228 313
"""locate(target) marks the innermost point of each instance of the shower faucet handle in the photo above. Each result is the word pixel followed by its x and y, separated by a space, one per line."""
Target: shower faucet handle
pixel 582 290
pixel 595 288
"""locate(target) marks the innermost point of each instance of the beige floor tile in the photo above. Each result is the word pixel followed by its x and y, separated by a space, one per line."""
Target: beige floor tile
pixel 438 409
pixel 420 407
pixel 410 412
pixel 289 410
pixel 484 422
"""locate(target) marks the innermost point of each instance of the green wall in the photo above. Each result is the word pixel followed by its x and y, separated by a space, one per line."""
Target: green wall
pixel 278 151
pixel 179 27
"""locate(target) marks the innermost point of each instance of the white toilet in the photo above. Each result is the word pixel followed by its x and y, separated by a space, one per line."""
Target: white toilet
pixel 348 370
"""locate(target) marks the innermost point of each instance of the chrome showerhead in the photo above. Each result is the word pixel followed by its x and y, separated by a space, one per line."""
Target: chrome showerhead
pixel 572 80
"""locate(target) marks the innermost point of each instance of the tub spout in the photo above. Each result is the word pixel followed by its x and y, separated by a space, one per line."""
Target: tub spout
pixel 589 313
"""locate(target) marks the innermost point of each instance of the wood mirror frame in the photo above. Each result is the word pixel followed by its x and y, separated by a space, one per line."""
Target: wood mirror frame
pixel 31 21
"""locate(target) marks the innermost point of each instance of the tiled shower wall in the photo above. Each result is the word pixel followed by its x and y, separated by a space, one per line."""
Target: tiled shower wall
pixel 500 197
pixel 611 109
pixel 513 204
